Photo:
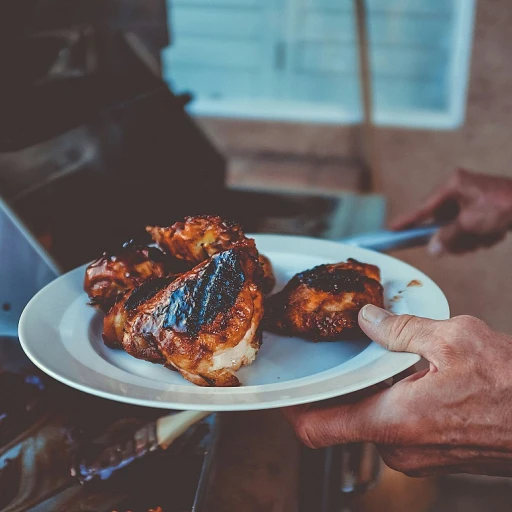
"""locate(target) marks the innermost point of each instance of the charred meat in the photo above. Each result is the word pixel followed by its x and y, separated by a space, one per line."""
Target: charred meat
pixel 205 323
pixel 198 238
pixel 125 308
pixel 112 275
pixel 322 304
pixel 268 280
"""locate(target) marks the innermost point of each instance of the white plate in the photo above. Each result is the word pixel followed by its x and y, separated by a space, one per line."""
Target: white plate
pixel 62 336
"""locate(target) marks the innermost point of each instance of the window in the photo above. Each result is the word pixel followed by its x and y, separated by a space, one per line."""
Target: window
pixel 296 60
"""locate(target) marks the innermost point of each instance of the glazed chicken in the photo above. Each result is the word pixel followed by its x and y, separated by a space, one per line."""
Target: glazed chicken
pixel 112 275
pixel 198 238
pixel 322 304
pixel 204 323
pixel 268 280
pixel 125 308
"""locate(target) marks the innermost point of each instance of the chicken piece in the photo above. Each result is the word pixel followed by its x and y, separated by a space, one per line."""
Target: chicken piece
pixel 112 275
pixel 322 304
pixel 113 323
pixel 198 238
pixel 125 307
pixel 268 280
pixel 205 323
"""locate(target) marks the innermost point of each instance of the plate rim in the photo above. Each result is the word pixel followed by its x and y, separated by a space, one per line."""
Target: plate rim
pixel 407 359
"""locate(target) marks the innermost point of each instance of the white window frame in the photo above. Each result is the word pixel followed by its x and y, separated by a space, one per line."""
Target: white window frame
pixel 328 113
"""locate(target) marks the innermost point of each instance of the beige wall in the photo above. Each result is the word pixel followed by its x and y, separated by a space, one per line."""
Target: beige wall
pixel 413 162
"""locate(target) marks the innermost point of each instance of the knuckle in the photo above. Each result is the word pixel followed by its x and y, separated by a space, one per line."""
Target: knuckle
pixel 465 331
pixel 464 323
pixel 448 336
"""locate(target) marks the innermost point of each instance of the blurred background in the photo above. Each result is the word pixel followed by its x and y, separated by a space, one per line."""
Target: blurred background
pixel 317 117
pixel 442 100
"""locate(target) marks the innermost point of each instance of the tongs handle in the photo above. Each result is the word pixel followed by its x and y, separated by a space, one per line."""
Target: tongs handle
pixel 388 240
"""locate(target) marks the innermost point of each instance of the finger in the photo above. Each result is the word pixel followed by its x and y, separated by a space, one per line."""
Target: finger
pixel 399 333
pixel 378 419
pixel 450 239
pixel 490 240
pixel 412 460
pixel 419 461
pixel 427 210
pixel 455 240
pixel 427 460
pixel 291 413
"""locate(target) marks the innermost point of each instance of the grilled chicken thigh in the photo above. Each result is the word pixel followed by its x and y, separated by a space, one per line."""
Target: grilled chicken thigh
pixel 112 275
pixel 198 238
pixel 322 304
pixel 205 323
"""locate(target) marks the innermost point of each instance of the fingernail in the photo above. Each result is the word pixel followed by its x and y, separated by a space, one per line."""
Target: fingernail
pixel 435 247
pixel 374 314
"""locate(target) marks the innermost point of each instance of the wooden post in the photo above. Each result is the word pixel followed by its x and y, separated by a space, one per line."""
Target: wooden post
pixel 371 176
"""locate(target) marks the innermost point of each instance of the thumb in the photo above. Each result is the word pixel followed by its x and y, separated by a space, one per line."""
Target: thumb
pixel 399 333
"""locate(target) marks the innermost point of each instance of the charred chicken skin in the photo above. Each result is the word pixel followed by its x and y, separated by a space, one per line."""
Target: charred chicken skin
pixel 112 275
pixel 198 238
pixel 322 304
pixel 205 323
pixel 125 308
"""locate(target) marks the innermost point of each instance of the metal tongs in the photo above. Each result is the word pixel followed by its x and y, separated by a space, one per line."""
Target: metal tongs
pixel 386 240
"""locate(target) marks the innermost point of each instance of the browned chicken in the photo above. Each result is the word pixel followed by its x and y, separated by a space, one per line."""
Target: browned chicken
pixel 269 279
pixel 205 323
pixel 115 320
pixel 113 323
pixel 322 304
pixel 198 238
pixel 112 275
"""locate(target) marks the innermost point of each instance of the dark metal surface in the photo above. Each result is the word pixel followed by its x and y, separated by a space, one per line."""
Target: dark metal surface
pixel 89 161
pixel 25 268
pixel 57 427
